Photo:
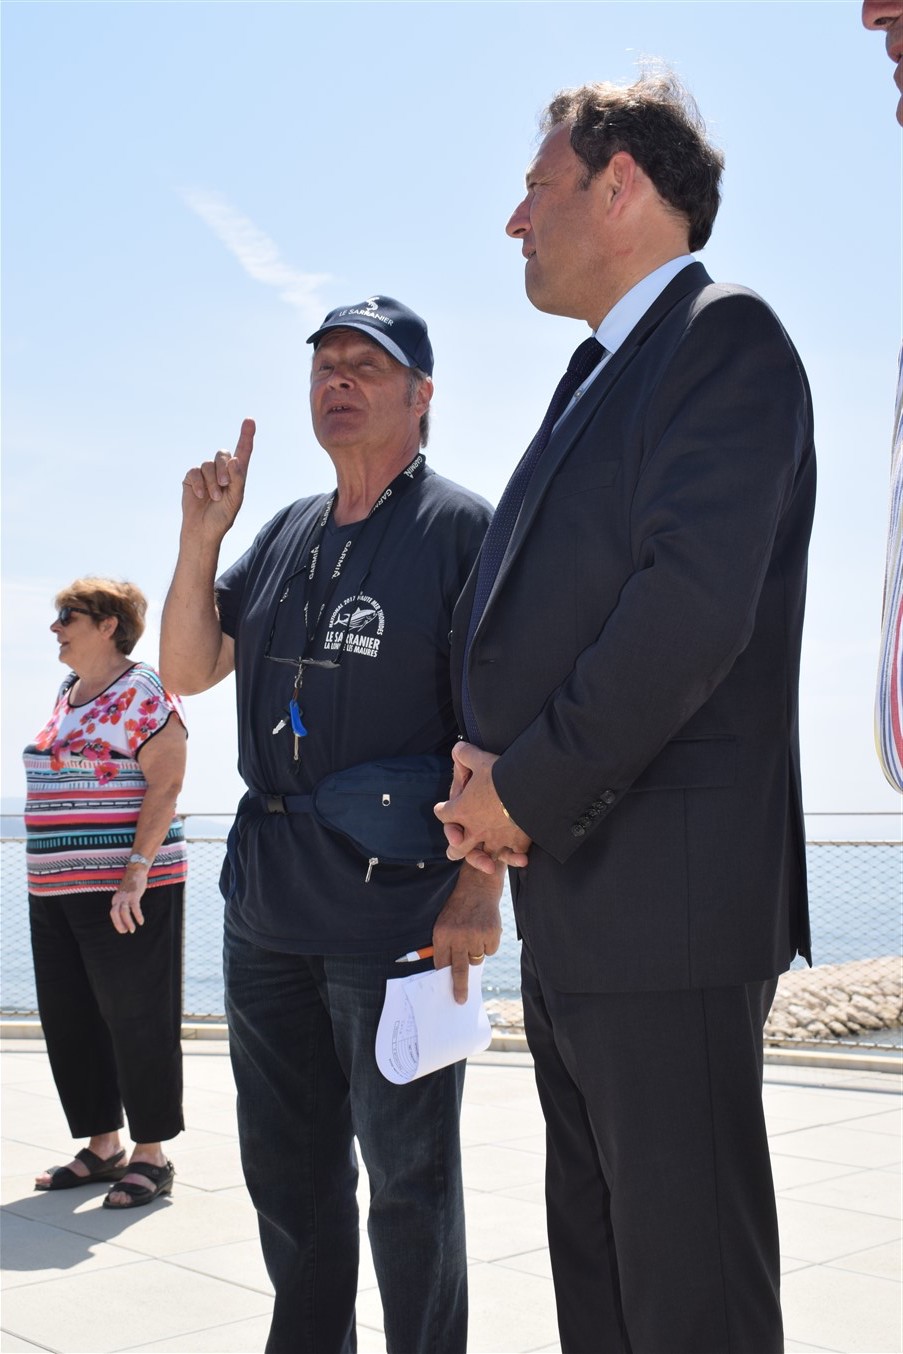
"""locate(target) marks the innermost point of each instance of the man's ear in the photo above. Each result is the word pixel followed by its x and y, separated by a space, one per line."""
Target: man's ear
pixel 621 176
pixel 422 397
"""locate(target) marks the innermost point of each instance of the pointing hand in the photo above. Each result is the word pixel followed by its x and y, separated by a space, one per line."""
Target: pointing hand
pixel 212 493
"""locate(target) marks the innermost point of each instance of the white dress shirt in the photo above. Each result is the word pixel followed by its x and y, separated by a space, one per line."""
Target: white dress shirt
pixel 626 313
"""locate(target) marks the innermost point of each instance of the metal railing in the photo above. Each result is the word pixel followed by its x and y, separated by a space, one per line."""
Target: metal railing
pixel 854 994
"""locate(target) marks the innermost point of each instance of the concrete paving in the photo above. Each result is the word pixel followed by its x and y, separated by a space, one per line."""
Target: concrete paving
pixel 185 1274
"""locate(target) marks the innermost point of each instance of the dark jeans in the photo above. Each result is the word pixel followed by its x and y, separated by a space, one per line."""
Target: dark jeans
pixel 662 1222
pixel 302 1032
pixel 111 1010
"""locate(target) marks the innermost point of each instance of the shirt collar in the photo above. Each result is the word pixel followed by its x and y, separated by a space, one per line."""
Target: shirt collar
pixel 633 304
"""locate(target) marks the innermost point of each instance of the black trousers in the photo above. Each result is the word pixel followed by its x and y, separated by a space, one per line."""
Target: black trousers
pixel 111 1009
pixel 661 1212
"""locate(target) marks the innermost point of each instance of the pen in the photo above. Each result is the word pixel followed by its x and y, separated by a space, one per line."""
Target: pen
pixel 413 955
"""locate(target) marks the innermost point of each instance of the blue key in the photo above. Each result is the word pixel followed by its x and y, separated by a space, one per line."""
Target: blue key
pixel 298 728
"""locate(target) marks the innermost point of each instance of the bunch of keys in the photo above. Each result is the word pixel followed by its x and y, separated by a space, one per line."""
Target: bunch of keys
pixel 294 709
pixel 294 714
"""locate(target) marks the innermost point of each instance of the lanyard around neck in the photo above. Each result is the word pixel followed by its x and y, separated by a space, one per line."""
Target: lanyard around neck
pixel 399 486
pixel 402 483
pixel 391 494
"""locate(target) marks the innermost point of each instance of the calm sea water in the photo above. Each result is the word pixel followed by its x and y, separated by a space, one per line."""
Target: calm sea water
pixel 856 895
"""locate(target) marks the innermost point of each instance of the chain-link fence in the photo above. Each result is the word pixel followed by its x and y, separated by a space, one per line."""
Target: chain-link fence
pixel 855 992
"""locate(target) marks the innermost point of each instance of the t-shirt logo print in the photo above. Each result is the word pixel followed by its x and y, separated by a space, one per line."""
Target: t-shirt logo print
pixel 356 626
pixel 357 619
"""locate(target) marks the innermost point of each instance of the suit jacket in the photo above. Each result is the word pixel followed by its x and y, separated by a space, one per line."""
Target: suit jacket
pixel 637 663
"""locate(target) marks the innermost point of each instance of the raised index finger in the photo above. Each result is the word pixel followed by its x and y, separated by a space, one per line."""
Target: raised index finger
pixel 245 444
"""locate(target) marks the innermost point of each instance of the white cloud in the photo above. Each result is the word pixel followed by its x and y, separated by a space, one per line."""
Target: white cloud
pixel 257 253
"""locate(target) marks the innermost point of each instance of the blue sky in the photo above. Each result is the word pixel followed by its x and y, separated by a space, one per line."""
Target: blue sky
pixel 189 188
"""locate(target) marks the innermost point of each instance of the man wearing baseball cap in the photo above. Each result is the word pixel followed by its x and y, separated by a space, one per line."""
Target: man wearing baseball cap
pixel 336 623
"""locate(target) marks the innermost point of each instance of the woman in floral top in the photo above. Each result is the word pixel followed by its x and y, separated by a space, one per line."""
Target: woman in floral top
pixel 106 873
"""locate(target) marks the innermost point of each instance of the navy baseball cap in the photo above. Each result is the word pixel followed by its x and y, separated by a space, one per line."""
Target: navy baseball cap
pixel 399 330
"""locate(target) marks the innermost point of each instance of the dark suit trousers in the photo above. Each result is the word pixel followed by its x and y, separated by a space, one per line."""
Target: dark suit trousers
pixel 662 1223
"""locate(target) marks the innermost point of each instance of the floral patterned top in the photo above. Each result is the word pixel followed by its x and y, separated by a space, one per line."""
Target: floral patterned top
pixel 85 788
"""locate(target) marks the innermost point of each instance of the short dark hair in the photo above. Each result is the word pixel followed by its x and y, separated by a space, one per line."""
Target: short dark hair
pixel 104 597
pixel 657 122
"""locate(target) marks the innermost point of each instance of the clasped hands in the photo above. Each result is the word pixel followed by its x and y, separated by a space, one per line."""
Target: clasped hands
pixel 476 825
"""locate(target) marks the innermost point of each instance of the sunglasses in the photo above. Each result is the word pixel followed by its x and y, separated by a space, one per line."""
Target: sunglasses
pixel 65 613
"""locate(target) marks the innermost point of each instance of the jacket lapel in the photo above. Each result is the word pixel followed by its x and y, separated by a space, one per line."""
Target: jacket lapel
pixel 692 278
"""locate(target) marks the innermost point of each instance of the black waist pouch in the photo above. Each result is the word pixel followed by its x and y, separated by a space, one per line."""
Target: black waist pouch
pixel 384 808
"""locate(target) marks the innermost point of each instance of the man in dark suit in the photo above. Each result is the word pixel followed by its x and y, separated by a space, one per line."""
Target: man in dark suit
pixel 628 653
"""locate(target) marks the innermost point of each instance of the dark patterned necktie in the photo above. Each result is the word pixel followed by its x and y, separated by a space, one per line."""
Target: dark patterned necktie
pixel 584 360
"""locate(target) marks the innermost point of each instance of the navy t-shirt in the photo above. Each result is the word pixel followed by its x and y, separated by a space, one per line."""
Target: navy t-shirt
pixel 296 886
